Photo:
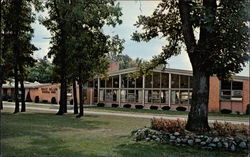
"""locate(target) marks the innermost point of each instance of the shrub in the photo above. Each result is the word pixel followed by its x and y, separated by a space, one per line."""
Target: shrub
pixel 170 126
pixel 53 100
pixel 127 106
pixel 154 107
pixel 114 105
pixel 229 129
pixel 165 108
pixel 248 109
pixel 100 105
pixel 226 111
pixel 139 106
pixel 180 108
pixel 44 101
pixel 37 99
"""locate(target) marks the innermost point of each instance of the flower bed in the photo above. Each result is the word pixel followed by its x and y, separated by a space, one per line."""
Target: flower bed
pixel 231 137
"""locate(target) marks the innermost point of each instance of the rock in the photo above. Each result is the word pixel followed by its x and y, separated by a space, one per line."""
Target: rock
pixel 243 145
pixel 203 143
pixel 190 142
pixel 232 148
pixel 219 144
pixel 184 140
pixel 176 133
pixel 225 144
pixel 183 145
pixel 171 141
pixel 207 148
pixel 209 139
pixel 158 140
pixel 237 139
pixel 197 140
pixel 154 137
pixel 216 139
pixel 172 137
pixel 212 145
pixel 147 139
pixel 178 140
pixel 186 137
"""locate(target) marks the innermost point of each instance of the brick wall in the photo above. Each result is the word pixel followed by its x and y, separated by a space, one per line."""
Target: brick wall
pixel 214 95
pixel 113 66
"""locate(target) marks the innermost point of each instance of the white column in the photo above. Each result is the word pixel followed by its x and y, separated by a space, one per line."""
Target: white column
pixel 119 90
pixel 143 90
pixel 169 91
pixel 98 90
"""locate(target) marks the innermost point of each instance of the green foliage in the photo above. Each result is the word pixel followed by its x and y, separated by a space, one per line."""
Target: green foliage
pixel 42 71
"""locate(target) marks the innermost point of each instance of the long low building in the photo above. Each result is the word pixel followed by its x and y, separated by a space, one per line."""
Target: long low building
pixel 171 87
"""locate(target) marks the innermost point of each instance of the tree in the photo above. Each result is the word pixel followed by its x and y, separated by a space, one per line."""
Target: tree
pixel 18 32
pixel 42 71
pixel 219 48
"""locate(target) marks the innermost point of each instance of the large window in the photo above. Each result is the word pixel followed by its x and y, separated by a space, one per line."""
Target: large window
pixel 184 81
pixel 116 81
pixel 148 81
pixel 148 96
pixel 139 96
pixel 156 96
pixel 131 96
pixel 109 95
pixel 175 81
pixel 139 82
pixel 123 95
pixel 102 83
pixel 164 96
pixel 109 82
pixel 231 90
pixel 156 80
pixel 124 81
pixel 164 80
pixel 131 83
pixel 102 94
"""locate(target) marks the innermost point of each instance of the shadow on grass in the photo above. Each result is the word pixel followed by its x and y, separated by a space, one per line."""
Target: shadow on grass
pixel 151 149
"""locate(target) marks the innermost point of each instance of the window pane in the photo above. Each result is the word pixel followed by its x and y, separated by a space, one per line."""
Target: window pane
pixel 123 95
pixel 148 96
pixel 184 81
pixel 226 95
pixel 95 95
pixel 174 81
pixel 109 95
pixel 164 80
pixel 102 83
pixel 102 95
pixel 184 97
pixel 96 83
pixel 115 95
pixel 156 97
pixel 139 82
pixel 156 80
pixel 124 81
pixel 164 96
pixel 175 97
pixel 116 81
pixel 131 95
pixel 139 96
pixel 237 85
pixel 109 82
pixel 131 83
pixel 148 81
pixel 225 84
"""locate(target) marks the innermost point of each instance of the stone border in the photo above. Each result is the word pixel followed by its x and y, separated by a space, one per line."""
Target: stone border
pixel 206 142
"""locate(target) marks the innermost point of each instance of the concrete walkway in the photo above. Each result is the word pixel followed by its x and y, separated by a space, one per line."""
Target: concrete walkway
pixel 181 117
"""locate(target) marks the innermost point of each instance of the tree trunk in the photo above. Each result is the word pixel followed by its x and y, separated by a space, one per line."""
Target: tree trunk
pixel 63 98
pixel 16 90
pixel 23 106
pixel 75 98
pixel 198 115
pixel 1 85
pixel 81 98
pixel 1 58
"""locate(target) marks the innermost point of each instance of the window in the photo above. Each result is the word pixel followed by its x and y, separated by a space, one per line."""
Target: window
pixel 131 83
pixel 184 97
pixel 116 81
pixel 164 96
pixel 175 97
pixel 164 80
pixel 115 95
pixel 156 80
pixel 139 82
pixel 102 83
pixel 123 95
pixel 96 83
pixel 108 95
pixel 109 82
pixel 148 81
pixel 184 81
pixel 148 96
pixel 131 95
pixel 156 96
pixel 124 81
pixel 139 96
pixel 95 95
pixel 190 82
pixel 175 81
pixel 102 95
pixel 231 90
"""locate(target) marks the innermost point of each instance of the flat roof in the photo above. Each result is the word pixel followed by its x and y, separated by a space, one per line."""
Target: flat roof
pixel 170 70
pixel 11 84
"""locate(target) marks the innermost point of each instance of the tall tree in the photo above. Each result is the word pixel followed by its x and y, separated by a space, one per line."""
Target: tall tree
pixel 18 17
pixel 221 42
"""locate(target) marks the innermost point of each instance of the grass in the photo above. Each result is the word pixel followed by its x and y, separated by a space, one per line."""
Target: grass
pixel 47 135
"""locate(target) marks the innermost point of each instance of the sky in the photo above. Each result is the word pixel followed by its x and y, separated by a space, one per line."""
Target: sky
pixel 145 50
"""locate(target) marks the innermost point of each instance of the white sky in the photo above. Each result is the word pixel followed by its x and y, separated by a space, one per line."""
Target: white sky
pixel 131 10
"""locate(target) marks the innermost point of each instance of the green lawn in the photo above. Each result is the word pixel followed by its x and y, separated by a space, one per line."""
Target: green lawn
pixel 47 135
